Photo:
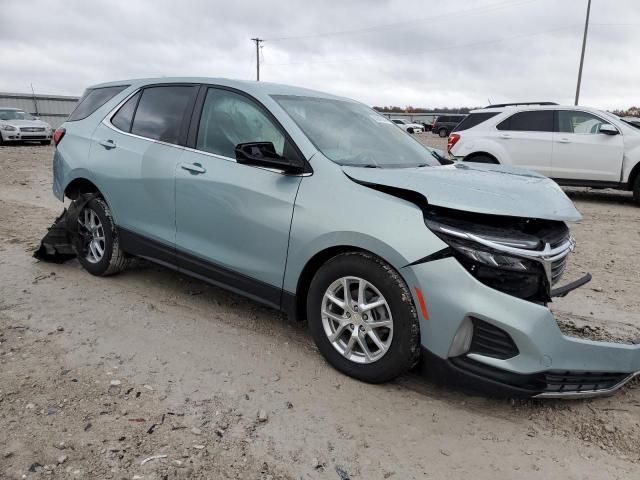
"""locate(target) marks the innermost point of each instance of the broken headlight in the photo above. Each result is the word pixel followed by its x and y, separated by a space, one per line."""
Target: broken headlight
pixel 488 257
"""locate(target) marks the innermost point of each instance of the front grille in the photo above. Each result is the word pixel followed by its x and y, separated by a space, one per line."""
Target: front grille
pixel 32 129
pixel 557 269
pixel 567 381
pixel 491 341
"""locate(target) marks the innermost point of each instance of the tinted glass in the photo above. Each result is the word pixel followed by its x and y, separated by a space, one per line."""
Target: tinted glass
pixel 579 122
pixel 535 121
pixel 350 133
pixel 92 100
pixel 474 119
pixel 229 119
pixel 161 112
pixel 122 119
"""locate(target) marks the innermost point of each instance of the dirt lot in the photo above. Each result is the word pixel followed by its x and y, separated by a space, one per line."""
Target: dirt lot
pixel 97 376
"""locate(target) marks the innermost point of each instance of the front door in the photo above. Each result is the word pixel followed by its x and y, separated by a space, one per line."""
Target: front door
pixel 233 220
pixel 581 152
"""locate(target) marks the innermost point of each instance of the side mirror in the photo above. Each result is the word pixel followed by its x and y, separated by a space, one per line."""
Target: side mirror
pixel 608 129
pixel 263 154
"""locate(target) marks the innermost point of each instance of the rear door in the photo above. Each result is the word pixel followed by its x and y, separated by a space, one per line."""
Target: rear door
pixel 527 137
pixel 233 220
pixel 581 152
pixel 137 151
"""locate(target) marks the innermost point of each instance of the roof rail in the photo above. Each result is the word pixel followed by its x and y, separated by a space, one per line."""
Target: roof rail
pixel 500 105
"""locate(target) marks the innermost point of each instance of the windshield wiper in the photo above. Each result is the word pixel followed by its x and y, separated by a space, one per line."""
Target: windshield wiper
pixel 440 158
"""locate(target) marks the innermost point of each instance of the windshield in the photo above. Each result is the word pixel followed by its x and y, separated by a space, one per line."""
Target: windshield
pixel 352 134
pixel 14 115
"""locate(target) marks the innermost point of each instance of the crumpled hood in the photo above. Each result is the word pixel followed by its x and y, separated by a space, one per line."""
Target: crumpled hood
pixel 26 123
pixel 480 188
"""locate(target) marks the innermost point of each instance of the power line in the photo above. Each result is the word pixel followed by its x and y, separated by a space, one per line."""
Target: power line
pixel 422 52
pixel 377 28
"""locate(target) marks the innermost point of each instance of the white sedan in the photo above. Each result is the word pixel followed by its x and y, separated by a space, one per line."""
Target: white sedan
pixel 408 126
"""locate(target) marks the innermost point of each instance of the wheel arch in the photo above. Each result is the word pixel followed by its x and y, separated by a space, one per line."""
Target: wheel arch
pixel 80 185
pixel 480 153
pixel 635 172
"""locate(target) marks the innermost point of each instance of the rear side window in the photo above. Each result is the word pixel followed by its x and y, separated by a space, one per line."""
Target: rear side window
pixel 92 100
pixel 474 119
pixel 161 112
pixel 124 117
pixel 535 121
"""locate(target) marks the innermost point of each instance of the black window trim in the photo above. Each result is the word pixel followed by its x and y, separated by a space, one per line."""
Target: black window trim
pixel 182 138
pixel 194 126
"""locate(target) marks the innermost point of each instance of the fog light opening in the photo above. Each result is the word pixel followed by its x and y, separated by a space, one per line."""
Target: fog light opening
pixel 462 340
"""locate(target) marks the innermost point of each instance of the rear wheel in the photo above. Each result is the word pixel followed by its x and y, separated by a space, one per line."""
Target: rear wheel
pixel 99 253
pixel 362 318
pixel 442 132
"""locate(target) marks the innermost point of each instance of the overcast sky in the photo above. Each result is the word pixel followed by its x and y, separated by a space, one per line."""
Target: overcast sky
pixel 381 52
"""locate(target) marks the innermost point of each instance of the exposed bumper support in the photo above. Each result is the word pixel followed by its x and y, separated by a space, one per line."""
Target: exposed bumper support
pixel 566 289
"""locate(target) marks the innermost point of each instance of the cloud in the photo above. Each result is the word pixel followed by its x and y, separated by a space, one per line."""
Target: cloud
pixel 383 52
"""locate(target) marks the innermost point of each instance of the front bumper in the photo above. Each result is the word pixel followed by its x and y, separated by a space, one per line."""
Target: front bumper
pixel 546 363
pixel 10 135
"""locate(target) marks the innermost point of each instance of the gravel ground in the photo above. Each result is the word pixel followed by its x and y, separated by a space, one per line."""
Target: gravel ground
pixel 152 375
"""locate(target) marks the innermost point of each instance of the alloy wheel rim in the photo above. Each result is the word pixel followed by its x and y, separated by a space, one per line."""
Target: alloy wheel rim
pixel 92 233
pixel 357 320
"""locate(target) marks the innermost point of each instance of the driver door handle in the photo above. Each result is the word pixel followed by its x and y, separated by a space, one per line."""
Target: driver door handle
pixel 194 168
pixel 505 135
pixel 564 140
pixel 108 144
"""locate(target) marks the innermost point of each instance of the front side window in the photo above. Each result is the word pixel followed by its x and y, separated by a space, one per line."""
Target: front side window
pixel 92 100
pixel 229 119
pixel 353 134
pixel 162 111
pixel 533 121
pixel 579 122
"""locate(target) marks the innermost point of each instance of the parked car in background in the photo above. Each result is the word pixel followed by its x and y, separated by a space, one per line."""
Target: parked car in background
pixel 443 124
pixel 575 146
pixel 18 126
pixel 408 126
pixel 321 207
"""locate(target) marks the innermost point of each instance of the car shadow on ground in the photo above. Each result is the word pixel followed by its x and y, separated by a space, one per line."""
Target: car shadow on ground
pixel 600 196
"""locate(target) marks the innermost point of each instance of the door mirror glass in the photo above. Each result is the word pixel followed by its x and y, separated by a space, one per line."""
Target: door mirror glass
pixel 608 129
pixel 264 154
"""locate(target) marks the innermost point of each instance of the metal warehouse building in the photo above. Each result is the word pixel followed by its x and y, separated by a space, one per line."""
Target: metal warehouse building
pixel 53 109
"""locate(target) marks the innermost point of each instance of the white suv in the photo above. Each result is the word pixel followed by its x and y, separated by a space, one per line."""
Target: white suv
pixel 408 126
pixel 576 146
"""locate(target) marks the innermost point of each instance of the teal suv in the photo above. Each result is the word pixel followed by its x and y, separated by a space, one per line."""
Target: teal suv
pixel 320 207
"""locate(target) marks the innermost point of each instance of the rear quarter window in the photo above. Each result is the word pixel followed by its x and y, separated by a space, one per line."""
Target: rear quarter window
pixel 474 119
pixel 92 100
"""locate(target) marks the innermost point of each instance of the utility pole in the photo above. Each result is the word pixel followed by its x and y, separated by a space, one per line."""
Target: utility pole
pixel 584 44
pixel 35 102
pixel 258 42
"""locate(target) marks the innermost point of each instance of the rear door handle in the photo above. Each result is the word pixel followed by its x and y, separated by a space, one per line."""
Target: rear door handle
pixel 194 168
pixel 564 140
pixel 505 135
pixel 108 144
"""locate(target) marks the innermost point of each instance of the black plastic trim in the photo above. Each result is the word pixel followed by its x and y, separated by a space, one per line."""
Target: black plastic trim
pixel 166 255
pixel 439 255
pixel 571 182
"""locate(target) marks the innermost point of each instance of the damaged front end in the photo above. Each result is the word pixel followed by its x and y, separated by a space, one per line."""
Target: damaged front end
pixel 522 257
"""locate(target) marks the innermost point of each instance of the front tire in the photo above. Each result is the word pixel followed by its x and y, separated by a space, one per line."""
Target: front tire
pixel 99 246
pixel 362 318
